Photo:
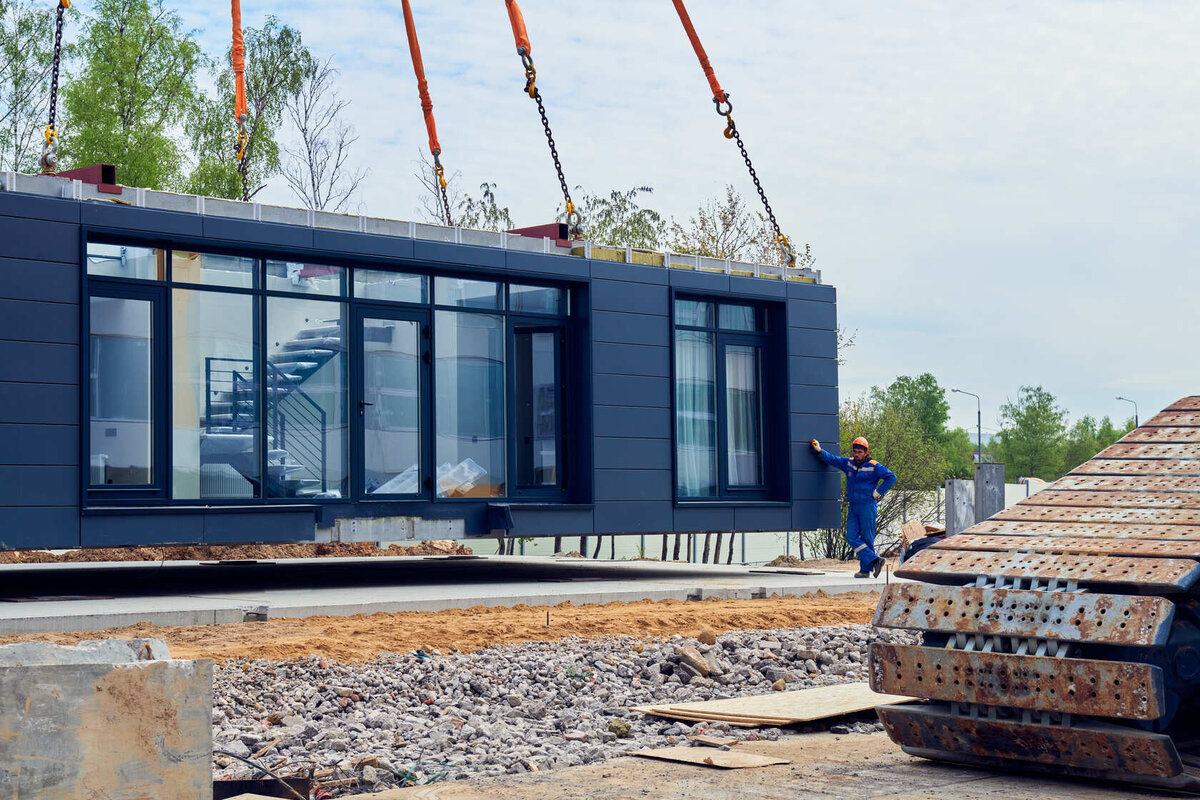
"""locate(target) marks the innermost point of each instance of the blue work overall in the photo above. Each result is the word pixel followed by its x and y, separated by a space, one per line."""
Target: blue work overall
pixel 861 484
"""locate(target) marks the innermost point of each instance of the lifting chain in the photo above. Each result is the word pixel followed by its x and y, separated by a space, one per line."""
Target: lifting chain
pixel 242 141
pixel 50 149
pixel 574 219
pixel 440 171
pixel 731 132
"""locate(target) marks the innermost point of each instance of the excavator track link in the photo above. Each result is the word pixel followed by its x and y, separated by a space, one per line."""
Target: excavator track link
pixel 1063 634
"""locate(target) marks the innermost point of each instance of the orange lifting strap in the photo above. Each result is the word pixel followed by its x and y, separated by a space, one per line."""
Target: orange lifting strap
pixel 719 95
pixel 240 111
pixel 414 49
pixel 518 25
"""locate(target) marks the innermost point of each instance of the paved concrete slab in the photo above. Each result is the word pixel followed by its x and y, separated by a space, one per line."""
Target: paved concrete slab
pixel 197 593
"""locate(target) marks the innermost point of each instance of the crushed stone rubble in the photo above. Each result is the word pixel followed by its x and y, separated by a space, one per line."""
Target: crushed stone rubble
pixel 402 720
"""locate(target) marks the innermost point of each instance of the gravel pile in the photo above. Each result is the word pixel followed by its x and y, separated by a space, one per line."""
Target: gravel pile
pixel 408 719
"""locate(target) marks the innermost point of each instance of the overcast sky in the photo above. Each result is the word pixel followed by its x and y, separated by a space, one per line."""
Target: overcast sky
pixel 1003 193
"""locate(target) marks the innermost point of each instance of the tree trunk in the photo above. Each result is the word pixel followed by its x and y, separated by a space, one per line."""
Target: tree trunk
pixel 732 536
pixel 717 548
pixel 599 544
pixel 707 546
pixel 801 547
pixel 678 542
pixel 557 545
pixel 583 545
pixel 664 552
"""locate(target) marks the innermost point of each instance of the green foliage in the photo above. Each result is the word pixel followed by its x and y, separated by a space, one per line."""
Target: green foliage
pixel 922 396
pixel 276 63
pixel 1030 442
pixel 26 54
pixel 484 214
pixel 958 446
pixel 135 84
pixel 1086 438
pixel 619 220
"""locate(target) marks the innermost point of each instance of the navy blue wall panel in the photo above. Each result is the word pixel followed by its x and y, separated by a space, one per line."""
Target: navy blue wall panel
pixel 346 244
pixel 44 403
pixel 613 326
pixel 39 241
pixel 632 422
pixel 39 486
pixel 811 291
pixel 32 321
pixel 702 282
pixel 630 273
pixel 141 529
pixel 262 526
pixel 542 522
pixel 542 266
pixel 818 342
pixel 818 483
pixel 166 223
pixel 458 254
pixel 812 514
pixel 36 527
pixel 634 517
pixel 811 314
pixel 812 371
pixel 704 518
pixel 632 390
pixel 259 233
pixel 631 359
pixel 822 427
pixel 47 281
pixel 762 518
pixel 815 398
pixel 618 453
pixel 45 208
pixel 38 362
pixel 640 299
pixel 756 287
pixel 633 484
pixel 39 444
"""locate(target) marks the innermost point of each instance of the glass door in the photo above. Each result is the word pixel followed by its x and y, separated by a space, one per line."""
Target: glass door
pixel 393 395
pixel 537 424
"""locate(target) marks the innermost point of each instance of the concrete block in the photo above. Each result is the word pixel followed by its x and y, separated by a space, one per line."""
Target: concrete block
pixel 960 506
pixel 989 491
pixel 101 720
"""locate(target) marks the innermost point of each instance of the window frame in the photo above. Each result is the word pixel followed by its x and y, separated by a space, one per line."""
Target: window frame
pixel 159 495
pixel 772 364
pixel 539 324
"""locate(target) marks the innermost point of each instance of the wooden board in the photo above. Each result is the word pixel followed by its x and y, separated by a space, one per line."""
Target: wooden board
pixel 781 708
pixel 706 756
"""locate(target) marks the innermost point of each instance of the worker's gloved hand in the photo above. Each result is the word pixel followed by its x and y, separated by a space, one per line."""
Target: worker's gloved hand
pixel 816 446
pixel 876 495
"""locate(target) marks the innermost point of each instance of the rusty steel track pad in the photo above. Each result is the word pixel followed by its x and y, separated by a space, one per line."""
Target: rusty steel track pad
pixel 1148 548
pixel 1126 620
pixel 1062 685
pixel 1108 748
pixel 1150 575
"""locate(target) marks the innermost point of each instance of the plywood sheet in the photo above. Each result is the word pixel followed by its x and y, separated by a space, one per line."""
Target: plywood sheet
pixel 706 756
pixel 782 708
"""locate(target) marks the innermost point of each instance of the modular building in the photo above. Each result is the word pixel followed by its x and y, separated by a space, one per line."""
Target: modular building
pixel 180 369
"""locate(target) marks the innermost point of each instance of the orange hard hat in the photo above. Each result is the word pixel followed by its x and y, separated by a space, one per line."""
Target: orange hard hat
pixel 860 442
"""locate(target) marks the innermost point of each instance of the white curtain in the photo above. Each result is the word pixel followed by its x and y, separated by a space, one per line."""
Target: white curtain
pixel 695 414
pixel 743 434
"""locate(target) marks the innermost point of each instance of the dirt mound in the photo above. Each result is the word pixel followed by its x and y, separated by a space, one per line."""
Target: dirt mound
pixel 258 552
pixel 362 637
pixel 784 561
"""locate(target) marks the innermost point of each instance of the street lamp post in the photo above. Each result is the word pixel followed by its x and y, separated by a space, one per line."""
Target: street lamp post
pixel 978 421
pixel 1135 412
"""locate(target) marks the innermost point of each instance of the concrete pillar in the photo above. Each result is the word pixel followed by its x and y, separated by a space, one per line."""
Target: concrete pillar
pixel 960 506
pixel 989 490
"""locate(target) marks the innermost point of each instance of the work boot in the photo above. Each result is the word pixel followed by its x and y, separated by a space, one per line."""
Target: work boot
pixel 877 567
pixel 862 574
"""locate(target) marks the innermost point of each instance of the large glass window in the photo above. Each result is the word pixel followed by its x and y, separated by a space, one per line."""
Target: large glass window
pixel 467 293
pixel 306 417
pixel 211 269
pixel 215 398
pixel 120 369
pixel 391 406
pixel 396 287
pixel 537 415
pixel 719 445
pixel 125 261
pixel 304 278
pixel 470 447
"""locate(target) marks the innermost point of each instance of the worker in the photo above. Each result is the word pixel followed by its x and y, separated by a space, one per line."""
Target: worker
pixel 866 482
